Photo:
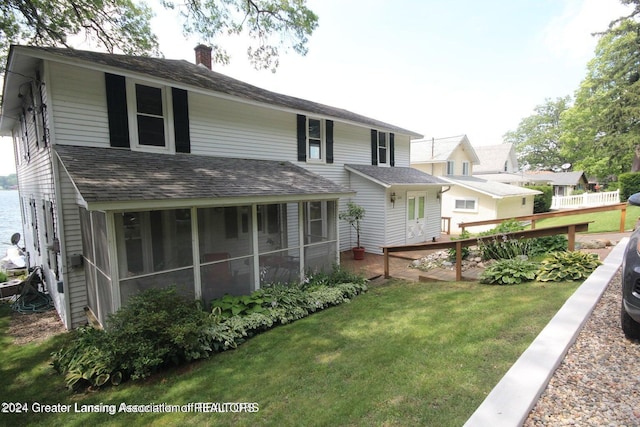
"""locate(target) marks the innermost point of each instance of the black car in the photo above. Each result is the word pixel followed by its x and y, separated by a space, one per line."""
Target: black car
pixel 630 311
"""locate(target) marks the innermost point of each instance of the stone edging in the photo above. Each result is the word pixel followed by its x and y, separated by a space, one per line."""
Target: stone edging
pixel 511 400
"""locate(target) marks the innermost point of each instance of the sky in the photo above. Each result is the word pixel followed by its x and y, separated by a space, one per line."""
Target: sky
pixel 439 68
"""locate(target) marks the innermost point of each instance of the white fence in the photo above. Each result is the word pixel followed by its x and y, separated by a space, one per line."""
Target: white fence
pixel 586 200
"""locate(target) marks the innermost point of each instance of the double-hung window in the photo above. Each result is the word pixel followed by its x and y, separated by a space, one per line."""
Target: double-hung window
pixel 149 116
pixel 465 168
pixel 315 139
pixel 383 141
pixel 450 167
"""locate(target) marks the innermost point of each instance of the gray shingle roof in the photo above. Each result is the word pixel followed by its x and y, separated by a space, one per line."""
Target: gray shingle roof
pixel 395 175
pixel 109 175
pixel 187 73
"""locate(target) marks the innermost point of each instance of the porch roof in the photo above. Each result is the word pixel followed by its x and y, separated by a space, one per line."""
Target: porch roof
pixel 497 190
pixel 388 176
pixel 105 175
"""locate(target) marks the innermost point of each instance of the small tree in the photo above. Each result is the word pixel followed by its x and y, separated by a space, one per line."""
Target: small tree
pixel 353 215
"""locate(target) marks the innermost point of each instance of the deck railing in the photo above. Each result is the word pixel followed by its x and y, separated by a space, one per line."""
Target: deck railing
pixel 586 200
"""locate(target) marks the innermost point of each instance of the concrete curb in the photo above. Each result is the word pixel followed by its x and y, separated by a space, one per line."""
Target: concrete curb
pixel 511 400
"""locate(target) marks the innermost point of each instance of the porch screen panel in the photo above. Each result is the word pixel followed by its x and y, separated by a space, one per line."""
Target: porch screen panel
pixel 272 228
pixel 226 251
pixel 182 280
pixel 320 257
pixel 280 267
pixel 100 240
pixel 87 234
pixel 320 236
pixel 153 241
pixel 105 303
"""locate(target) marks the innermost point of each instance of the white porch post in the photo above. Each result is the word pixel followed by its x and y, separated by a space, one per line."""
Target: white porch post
pixel 301 207
pixel 195 249
pixel 256 249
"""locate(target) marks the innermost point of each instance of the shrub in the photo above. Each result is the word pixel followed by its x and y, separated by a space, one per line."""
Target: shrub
pixel 503 247
pixel 542 202
pixel 509 272
pixel 465 251
pixel 233 305
pixel 629 184
pixel 547 244
pixel 572 265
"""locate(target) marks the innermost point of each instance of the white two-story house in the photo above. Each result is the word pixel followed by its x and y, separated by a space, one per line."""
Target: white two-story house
pixel 138 172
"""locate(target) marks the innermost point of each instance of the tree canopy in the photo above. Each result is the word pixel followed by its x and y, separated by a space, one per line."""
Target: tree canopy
pixel 125 25
pixel 537 138
pixel 600 132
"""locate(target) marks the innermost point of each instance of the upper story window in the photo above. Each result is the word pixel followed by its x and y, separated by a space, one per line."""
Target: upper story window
pixel 450 167
pixel 148 115
pixel 382 147
pixel 315 139
pixel 465 168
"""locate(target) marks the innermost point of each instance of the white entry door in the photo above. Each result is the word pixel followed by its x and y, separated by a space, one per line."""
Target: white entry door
pixel 416 216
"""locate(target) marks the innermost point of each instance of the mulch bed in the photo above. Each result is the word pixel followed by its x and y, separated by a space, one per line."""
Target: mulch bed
pixel 34 327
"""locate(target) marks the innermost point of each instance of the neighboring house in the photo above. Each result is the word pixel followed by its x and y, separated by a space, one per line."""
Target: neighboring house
pixel 139 173
pixel 469 198
pixel 564 183
pixel 498 163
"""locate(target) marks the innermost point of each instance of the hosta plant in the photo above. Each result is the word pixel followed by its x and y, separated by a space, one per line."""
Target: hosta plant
pixel 572 265
pixel 509 272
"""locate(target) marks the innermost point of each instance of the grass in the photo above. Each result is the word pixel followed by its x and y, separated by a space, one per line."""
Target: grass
pixel 402 354
pixel 603 222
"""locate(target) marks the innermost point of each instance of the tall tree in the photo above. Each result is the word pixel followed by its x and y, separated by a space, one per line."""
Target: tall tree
pixel 537 138
pixel 602 130
pixel 124 25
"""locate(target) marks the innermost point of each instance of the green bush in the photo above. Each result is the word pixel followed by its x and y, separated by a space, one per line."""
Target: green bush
pixel 465 251
pixel 509 272
pixel 629 183
pixel 158 328
pixel 547 244
pixel 233 305
pixel 572 265
pixel 542 202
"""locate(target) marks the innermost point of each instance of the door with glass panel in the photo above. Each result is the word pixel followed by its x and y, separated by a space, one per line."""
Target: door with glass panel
pixel 416 216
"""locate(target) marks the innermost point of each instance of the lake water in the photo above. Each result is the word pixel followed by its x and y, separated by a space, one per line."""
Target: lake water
pixel 10 220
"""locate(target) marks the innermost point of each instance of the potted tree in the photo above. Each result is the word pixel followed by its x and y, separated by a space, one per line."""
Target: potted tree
pixel 353 215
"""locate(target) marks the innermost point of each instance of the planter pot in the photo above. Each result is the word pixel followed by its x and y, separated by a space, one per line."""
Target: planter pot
pixel 358 253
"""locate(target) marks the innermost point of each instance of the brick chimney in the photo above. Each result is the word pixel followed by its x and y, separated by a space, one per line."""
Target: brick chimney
pixel 203 55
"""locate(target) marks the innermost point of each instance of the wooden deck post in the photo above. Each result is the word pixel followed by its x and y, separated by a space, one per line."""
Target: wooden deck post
pixel 571 235
pixel 623 217
pixel 386 263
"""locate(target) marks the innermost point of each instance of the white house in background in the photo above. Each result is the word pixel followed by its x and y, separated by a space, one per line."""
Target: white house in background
pixel 139 173
pixel 498 163
pixel 469 198
pixel 564 183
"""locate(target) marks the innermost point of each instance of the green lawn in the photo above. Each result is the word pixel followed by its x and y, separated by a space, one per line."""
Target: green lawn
pixel 401 354
pixel 603 222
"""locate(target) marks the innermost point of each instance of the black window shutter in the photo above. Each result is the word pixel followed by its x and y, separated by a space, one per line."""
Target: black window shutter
pixel 392 149
pixel 117 110
pixel 374 147
pixel 181 120
pixel 329 131
pixel 302 138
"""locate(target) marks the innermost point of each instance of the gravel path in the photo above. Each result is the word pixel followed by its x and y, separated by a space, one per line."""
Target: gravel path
pixel 598 382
